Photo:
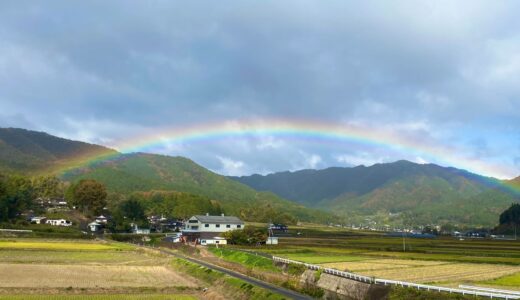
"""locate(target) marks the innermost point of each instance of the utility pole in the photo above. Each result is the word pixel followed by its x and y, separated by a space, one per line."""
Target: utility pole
pixel 404 242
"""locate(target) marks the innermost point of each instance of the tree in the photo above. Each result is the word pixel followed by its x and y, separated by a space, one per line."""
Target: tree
pixel 247 236
pixel 16 195
pixel 48 187
pixel 128 211
pixel 89 196
pixel 133 210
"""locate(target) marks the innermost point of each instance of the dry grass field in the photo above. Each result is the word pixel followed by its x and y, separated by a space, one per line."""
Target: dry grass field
pixel 88 276
pixel 58 269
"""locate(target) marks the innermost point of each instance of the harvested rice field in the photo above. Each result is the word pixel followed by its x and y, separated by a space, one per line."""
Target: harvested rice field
pixel 60 269
pixel 87 276
pixel 424 271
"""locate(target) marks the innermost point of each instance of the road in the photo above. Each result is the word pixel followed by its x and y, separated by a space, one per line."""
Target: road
pixel 273 288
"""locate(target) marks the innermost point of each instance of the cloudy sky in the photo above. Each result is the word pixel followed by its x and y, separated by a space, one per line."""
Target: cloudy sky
pixel 443 72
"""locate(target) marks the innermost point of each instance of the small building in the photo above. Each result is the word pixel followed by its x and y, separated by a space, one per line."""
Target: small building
pixel 101 219
pixel 59 222
pixel 137 230
pixel 278 227
pixel 208 238
pixel 95 226
pixel 38 220
pixel 272 240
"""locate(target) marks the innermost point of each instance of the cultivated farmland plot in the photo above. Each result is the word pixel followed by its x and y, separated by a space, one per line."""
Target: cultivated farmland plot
pixel 442 261
pixel 54 267
pixel 87 276
pixel 427 271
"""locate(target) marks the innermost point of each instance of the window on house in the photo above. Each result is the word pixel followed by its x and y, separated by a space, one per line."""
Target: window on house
pixel 206 225
pixel 228 226
pixel 216 242
pixel 239 226
pixel 217 225
pixel 193 221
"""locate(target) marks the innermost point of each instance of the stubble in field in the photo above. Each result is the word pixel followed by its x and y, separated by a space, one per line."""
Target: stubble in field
pixel 88 276
pixel 426 271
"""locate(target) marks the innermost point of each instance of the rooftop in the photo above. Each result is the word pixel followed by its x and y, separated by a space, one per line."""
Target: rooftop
pixel 219 219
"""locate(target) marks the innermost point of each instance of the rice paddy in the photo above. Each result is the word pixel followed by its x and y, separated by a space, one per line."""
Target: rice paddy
pixel 79 269
pixel 442 261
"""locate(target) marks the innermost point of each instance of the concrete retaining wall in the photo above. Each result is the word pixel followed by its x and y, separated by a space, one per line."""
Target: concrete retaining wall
pixel 342 288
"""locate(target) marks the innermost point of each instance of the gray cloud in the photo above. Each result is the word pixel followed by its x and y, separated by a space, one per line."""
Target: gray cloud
pixel 446 72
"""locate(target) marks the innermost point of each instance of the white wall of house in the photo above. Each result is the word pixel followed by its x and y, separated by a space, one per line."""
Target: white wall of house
pixel 194 224
pixel 208 227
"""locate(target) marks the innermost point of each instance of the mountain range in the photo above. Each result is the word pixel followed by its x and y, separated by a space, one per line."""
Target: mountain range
pixel 419 193
pixel 392 192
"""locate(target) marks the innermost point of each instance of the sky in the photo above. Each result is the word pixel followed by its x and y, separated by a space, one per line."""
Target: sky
pixel 445 74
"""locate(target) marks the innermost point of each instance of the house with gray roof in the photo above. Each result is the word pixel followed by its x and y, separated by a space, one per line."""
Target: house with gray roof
pixel 209 228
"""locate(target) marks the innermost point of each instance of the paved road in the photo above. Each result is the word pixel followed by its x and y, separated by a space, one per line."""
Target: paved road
pixel 273 288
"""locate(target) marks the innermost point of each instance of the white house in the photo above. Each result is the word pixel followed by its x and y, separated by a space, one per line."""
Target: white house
pixel 206 229
pixel 59 222
pixel 207 223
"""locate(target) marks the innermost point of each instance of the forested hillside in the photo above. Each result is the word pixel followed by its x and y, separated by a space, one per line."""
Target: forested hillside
pixel 140 172
pixel 30 152
pixel 423 193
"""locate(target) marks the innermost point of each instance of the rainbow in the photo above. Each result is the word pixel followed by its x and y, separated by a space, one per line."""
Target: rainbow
pixel 311 131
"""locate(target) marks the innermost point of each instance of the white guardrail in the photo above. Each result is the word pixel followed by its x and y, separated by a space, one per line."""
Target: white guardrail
pixel 478 288
pixel 464 290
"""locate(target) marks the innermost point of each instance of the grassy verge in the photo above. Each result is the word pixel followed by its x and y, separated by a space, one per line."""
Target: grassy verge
pixel 247 259
pixel 402 293
pixel 232 287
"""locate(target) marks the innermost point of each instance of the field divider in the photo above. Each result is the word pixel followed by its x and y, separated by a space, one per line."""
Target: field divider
pixel 482 292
